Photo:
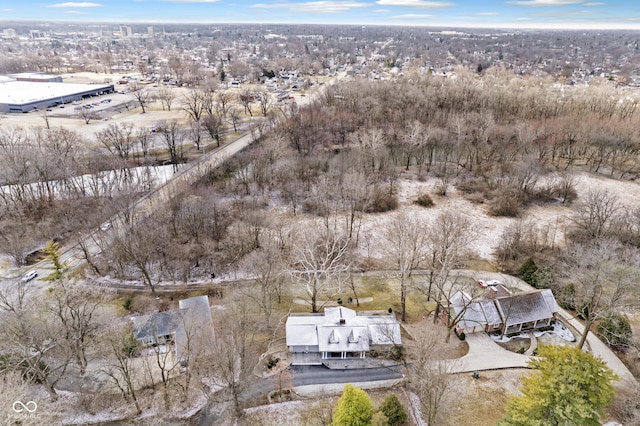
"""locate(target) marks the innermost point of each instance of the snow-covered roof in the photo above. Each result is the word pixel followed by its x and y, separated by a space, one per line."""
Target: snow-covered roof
pixel 21 92
pixel 340 323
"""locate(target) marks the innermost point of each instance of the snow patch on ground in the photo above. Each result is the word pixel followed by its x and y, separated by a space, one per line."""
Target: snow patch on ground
pixel 277 408
pixel 559 329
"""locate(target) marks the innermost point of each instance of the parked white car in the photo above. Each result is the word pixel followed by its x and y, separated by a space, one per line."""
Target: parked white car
pixel 29 276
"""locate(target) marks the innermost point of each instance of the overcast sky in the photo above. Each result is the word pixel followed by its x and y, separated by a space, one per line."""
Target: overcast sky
pixel 563 14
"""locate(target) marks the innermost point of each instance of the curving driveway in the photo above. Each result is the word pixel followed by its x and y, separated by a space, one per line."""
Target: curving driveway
pixel 485 354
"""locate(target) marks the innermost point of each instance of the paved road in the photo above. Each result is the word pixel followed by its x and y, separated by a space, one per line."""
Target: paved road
pixel 304 375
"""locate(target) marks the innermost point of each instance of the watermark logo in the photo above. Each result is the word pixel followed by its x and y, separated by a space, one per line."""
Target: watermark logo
pixel 21 407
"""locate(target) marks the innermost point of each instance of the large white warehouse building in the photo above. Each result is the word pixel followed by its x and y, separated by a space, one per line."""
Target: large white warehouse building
pixel 25 96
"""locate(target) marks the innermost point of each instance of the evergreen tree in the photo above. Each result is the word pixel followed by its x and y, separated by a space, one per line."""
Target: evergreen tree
pixel 60 268
pixel 354 408
pixel 393 409
pixel 527 271
pixel 616 331
pixel 569 387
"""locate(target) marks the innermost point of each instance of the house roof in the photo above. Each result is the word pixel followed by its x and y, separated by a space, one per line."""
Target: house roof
pixel 475 313
pixel 158 324
pixel 527 307
pixel 510 310
pixel 343 339
pixel 192 324
pixel 339 323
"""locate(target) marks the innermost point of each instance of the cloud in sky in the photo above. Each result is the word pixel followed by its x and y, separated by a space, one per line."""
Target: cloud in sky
pixel 416 3
pixel 412 16
pixel 190 1
pixel 75 4
pixel 594 4
pixel 325 6
pixel 545 3
pixel 7 10
pixel 75 12
pixel 487 14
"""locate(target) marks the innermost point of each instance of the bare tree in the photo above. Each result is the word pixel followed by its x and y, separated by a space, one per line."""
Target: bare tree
pixel 194 103
pixel 447 239
pixel 141 93
pixel 121 348
pixel 599 279
pixel 234 117
pixel 596 212
pixel 320 264
pixel 265 102
pixel 406 250
pixel 224 99
pixel 17 241
pixel 144 138
pixel 87 114
pixel 173 137
pixel 118 139
pixel 245 98
pixel 166 96
pixel 74 308
pixel 235 351
pixel 32 341
pixel 214 125
pixel 140 248
pixel 355 193
pixel 428 375
pixel 195 133
pixel 45 116
pixel 267 266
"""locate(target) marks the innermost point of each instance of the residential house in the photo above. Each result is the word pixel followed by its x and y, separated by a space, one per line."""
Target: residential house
pixel 187 330
pixel 339 333
pixel 501 311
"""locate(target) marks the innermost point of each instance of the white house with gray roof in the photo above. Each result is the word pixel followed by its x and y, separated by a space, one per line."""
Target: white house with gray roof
pixel 339 333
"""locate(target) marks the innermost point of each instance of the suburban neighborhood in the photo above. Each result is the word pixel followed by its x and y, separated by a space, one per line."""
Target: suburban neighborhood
pixel 270 224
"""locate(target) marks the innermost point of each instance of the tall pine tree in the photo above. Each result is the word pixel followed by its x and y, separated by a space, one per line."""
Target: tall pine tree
pixel 569 387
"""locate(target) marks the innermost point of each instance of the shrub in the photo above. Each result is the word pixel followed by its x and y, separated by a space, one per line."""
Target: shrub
pixel 130 345
pixel 424 200
pixel 379 419
pixel 393 410
pixel 616 331
pixel 527 270
pixel 272 362
pixel 382 201
pixel 127 304
pixel 397 353
pixel 505 204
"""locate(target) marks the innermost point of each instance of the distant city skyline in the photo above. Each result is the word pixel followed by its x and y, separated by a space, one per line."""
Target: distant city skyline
pixel 543 14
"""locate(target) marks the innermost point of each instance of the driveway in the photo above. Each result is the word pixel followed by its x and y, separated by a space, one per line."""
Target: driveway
pixel 485 354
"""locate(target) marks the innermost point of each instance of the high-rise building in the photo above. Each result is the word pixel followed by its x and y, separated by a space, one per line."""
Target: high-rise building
pixel 125 31
pixel 150 31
